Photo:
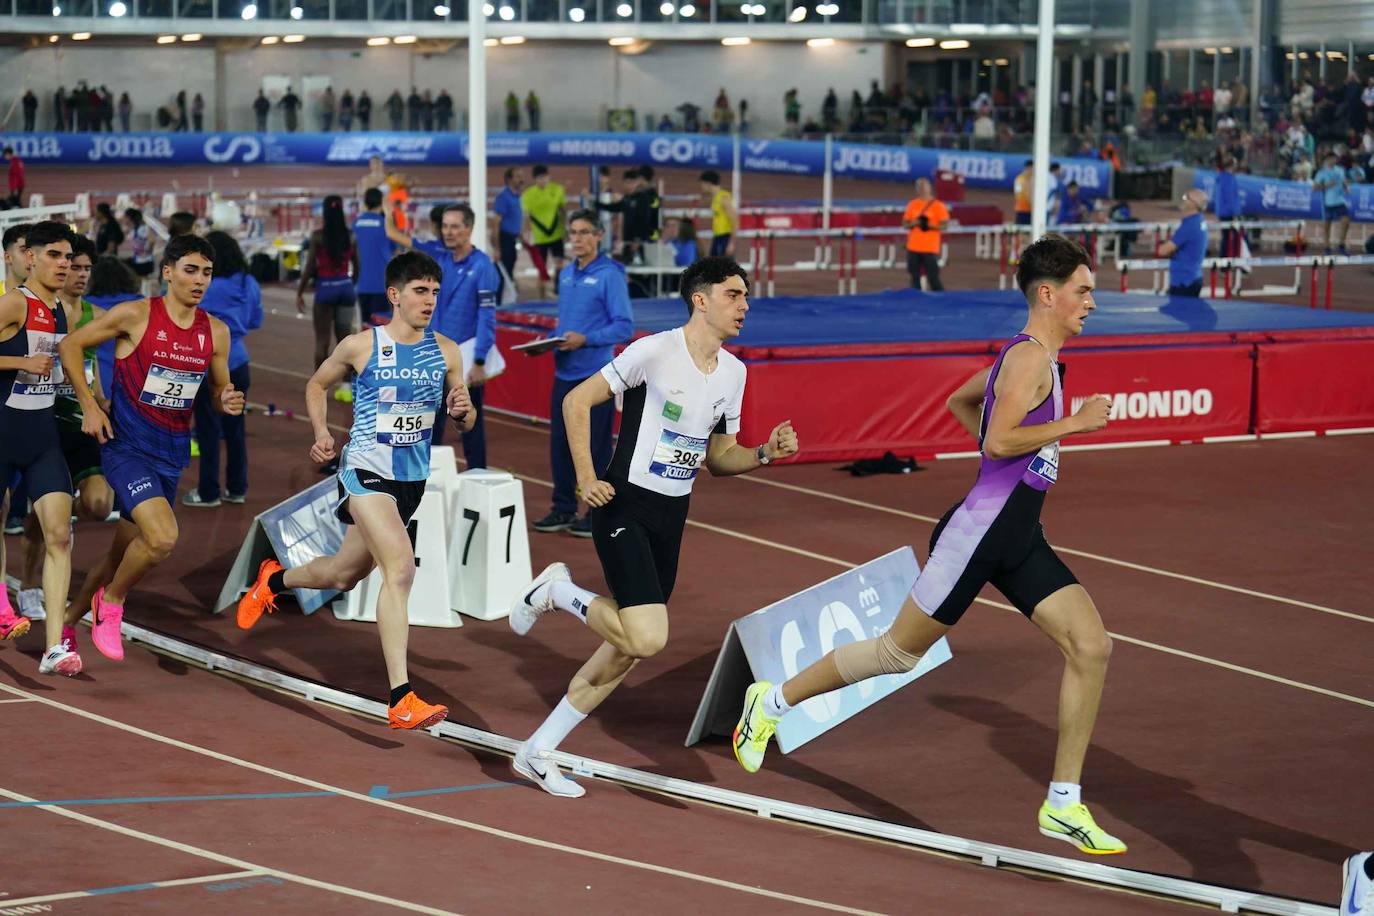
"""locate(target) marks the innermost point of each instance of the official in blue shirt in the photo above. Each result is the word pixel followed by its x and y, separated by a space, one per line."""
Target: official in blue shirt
pixel 234 297
pixel 512 217
pixel 375 250
pixel 1226 204
pixel 594 315
pixel 465 309
pixel 1187 247
pixel 1334 183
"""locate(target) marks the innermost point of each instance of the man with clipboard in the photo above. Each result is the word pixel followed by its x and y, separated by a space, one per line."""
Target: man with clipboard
pixel 465 311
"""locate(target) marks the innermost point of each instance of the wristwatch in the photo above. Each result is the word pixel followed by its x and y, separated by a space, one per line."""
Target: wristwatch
pixel 761 453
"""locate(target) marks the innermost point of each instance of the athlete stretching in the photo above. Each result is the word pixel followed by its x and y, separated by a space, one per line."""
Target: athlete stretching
pixel 682 395
pixel 995 536
pixel 400 373
pixel 164 349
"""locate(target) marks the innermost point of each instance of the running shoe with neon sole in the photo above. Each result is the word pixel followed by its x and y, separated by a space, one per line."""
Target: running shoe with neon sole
pixel 60 660
pixel 259 598
pixel 31 603
pixel 12 625
pixel 413 712
pixel 1075 825
pixel 105 622
pixel 1357 890
pixel 754 728
pixel 529 606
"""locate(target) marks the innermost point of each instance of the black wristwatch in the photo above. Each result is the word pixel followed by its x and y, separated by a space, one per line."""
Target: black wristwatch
pixel 761 453
pixel 479 362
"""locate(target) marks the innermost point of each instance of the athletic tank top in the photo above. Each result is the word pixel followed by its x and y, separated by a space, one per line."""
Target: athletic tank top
pixel 395 398
pixel 331 269
pixel 1035 469
pixel 27 398
pixel 156 384
pixel 67 408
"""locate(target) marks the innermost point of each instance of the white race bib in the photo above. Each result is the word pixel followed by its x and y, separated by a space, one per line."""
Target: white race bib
pixel 170 389
pixel 677 457
pixel 1045 464
pixel 401 424
pixel 37 392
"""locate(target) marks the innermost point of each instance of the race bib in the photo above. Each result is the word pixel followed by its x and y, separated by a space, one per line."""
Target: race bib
pixel 1045 464
pixel 170 389
pixel 65 389
pixel 31 391
pixel 677 457
pixel 401 424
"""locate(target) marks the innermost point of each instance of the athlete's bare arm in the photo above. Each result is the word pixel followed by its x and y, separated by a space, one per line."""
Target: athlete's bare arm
pixel 1023 382
pixel 351 353
pixel 577 420
pixel 458 403
pixel 226 398
pixel 14 310
pixel 396 236
pixel 726 457
pixel 966 402
pixel 124 324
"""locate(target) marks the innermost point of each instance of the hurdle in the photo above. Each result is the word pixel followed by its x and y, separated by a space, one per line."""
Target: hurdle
pixel 1315 263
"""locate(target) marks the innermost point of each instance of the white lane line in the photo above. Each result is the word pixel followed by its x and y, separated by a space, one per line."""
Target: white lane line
pixel 1129 639
pixel 196 850
pixel 140 886
pixel 17 700
pixel 383 803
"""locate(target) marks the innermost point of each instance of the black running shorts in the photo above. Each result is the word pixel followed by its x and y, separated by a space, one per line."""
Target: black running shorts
pixel 638 536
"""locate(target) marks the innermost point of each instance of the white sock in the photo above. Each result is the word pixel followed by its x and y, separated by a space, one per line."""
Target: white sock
pixel 1065 794
pixel 556 727
pixel 773 703
pixel 571 597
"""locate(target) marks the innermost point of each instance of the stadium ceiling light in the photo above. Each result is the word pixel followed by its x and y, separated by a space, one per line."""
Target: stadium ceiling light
pixel 819 42
pixel 507 13
pixel 828 9
pixel 737 42
pixel 797 15
pixel 404 40
pixel 293 39
pixel 56 10
pixel 1209 50
pixel 81 36
pixel 272 39
pixel 622 42
pixel 577 14
pixel 513 39
pixel 374 42
pixel 52 39
pixel 1002 62
pixel 250 11
pixel 489 42
pixel 166 39
pixel 954 44
pixel 920 42
pixel 1226 50
pixel 488 9
pixel 687 11
pixel 118 9
pixel 666 8
pixel 624 11
pixel 297 13
pixel 441 11
pixel 189 36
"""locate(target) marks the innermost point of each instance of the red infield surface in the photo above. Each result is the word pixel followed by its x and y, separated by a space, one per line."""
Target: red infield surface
pixel 1231 748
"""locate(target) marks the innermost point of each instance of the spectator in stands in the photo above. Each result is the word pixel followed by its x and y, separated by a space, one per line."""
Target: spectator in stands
pixel 924 219
pixel 108 234
pixel 198 113
pixel 509 217
pixel 76 109
pixel 395 109
pixel 59 109
pixel 691 117
pixel 1126 103
pixel 346 105
pixel 364 111
pixel 665 124
pixel 791 112
pixel 830 111
pixel 512 111
pixel 1149 101
pixel 443 110
pixel 722 115
pixel 427 112
pixel 235 298
pixel 532 110
pixel 125 109
pixel 261 108
pixel 414 103
pixel 290 105
pixel 328 105
pixel 107 109
pixel 724 218
pixel 1354 101
pixel 30 106
pixel 1226 204
pixel 1334 183
pixel 1187 247
pixel 15 197
pixel 1221 101
pixel 183 117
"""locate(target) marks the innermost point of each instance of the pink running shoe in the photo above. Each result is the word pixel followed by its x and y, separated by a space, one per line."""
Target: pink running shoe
pixel 105 631
pixel 69 637
pixel 12 625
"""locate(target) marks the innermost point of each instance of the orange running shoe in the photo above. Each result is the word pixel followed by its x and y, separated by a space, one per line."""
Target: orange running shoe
pixel 413 712
pixel 259 598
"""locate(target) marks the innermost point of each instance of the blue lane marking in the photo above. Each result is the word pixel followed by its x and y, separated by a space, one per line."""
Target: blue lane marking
pixel 121 889
pixel 374 792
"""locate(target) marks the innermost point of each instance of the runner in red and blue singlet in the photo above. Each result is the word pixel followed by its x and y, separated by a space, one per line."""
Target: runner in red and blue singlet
pixel 166 348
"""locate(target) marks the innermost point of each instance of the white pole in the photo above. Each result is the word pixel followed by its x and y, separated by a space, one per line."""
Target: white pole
pixel 827 185
pixel 477 121
pixel 1044 64
pixel 735 174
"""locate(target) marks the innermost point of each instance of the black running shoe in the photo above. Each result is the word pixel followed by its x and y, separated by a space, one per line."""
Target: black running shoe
pixel 555 521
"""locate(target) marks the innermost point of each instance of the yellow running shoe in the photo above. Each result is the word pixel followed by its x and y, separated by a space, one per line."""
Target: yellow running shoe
pixel 754 728
pixel 1075 825
pixel 343 394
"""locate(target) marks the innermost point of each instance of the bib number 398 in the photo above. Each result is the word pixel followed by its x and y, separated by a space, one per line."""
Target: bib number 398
pixel 678 457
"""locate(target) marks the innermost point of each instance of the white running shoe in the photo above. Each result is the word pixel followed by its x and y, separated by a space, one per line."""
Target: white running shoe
pixel 31 603
pixel 530 605
pixel 60 660
pixel 1357 891
pixel 543 772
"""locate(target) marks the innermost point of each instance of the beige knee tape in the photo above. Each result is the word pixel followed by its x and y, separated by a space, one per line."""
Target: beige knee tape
pixel 859 661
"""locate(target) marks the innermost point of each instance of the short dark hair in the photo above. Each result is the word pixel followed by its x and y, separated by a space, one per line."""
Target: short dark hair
pixel 111 276
pixel 646 172
pixel 410 266
pixel 82 245
pixel 48 232
pixel 463 210
pixel 1051 257
pixel 15 234
pixel 509 173
pixel 134 215
pixel 706 273
pixel 182 245
pixel 710 176
pixel 181 223
pixel 539 170
pixel 587 215
pixel 436 215
pixel 630 174
pixel 1028 163
pixel 229 259
pixel 1054 166
pixel 372 198
pixel 9 151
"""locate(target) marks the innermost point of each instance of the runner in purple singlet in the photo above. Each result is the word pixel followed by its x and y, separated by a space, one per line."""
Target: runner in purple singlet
pixel 1016 410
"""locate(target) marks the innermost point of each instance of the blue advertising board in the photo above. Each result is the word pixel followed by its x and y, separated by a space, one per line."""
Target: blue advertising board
pixel 302 528
pixel 1281 199
pixel 791 157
